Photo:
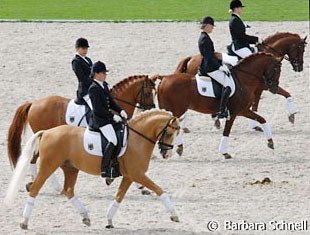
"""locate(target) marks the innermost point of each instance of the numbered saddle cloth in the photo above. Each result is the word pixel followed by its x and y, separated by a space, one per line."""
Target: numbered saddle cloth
pixel 95 142
pixel 75 114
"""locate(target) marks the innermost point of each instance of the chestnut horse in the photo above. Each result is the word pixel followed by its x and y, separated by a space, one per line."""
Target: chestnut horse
pixel 65 144
pixel 178 93
pixel 284 45
pixel 50 112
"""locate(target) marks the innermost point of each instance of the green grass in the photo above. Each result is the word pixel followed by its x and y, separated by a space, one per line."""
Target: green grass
pixel 185 10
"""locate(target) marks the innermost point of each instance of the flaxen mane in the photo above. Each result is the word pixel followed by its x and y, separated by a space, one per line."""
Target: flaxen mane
pixel 129 81
pixel 146 113
pixel 279 35
pixel 250 57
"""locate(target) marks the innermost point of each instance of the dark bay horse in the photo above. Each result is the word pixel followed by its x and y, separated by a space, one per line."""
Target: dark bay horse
pixel 65 144
pixel 50 112
pixel 178 93
pixel 284 45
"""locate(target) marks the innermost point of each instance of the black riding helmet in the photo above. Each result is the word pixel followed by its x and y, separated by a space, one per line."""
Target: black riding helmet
pixel 81 42
pixel 235 4
pixel 99 67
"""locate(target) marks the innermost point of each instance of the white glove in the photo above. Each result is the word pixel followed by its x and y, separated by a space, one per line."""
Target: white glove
pixel 225 69
pixel 123 114
pixel 117 118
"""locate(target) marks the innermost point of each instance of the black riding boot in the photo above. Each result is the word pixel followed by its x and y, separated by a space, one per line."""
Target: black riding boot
pixel 223 112
pixel 106 160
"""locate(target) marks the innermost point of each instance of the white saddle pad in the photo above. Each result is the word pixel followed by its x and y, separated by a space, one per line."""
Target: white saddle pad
pixel 74 114
pixel 204 86
pixel 92 143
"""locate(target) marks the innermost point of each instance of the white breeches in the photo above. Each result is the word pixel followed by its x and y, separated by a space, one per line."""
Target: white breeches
pixel 223 79
pixel 109 133
pixel 88 101
pixel 243 52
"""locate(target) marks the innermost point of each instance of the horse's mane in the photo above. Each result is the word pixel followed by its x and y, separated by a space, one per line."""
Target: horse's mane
pixel 273 38
pixel 128 81
pixel 146 113
pixel 250 57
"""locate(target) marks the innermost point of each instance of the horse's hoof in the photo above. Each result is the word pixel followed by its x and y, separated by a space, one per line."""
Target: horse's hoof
pixel 23 226
pixel 270 144
pixel 227 156
pixel 109 226
pixel 291 118
pixel 174 218
pixel 28 186
pixel 180 150
pixel 186 130
pixel 217 124
pixel 257 128
pixel 145 192
pixel 109 181
pixel 86 221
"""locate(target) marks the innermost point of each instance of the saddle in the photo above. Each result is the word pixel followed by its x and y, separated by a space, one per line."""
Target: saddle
pixel 95 142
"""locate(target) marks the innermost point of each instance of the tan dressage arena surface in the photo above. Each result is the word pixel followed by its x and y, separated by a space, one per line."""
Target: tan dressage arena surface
pixel 36 62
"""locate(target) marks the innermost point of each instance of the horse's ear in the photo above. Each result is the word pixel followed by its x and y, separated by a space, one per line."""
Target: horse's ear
pixel 305 38
pixel 155 77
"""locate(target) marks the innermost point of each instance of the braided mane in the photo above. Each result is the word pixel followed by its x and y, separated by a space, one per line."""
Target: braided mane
pixel 129 81
pixel 273 38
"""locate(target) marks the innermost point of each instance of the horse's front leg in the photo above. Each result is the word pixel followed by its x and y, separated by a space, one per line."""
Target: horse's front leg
pixel 147 182
pixel 224 140
pixel 252 123
pixel 114 205
pixel 290 106
pixel 266 127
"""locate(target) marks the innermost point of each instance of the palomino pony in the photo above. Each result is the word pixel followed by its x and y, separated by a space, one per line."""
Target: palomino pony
pixel 50 112
pixel 178 93
pixel 284 45
pixel 65 144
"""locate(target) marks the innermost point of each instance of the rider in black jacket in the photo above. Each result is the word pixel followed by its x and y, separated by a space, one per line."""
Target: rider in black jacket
pixel 240 40
pixel 211 66
pixel 81 65
pixel 102 117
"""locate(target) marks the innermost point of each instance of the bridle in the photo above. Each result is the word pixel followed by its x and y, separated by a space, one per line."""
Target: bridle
pixel 142 98
pixel 160 137
pixel 286 56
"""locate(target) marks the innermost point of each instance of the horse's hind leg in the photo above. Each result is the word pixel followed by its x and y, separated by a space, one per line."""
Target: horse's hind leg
pixel 71 174
pixel 266 127
pixel 122 189
pixel 45 170
pixel 147 182
pixel 52 180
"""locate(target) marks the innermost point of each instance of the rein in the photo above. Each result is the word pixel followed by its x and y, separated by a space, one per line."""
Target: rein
pixel 161 133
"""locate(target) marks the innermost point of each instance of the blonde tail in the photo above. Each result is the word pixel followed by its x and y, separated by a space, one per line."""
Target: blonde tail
pixel 31 148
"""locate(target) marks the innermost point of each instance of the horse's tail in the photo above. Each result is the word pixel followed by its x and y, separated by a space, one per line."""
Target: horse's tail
pixel 182 66
pixel 15 132
pixel 31 148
